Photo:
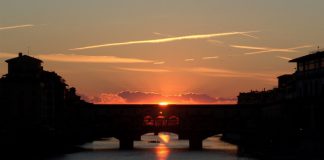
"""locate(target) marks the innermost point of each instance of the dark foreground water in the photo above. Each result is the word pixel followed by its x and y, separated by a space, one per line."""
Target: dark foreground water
pixel 165 146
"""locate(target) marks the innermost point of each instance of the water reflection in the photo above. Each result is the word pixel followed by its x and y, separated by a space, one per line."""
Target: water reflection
pixel 164 137
pixel 162 151
pixel 153 147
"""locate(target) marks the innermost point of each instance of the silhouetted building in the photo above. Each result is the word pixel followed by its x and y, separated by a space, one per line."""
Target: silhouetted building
pixel 290 117
pixel 33 101
pixel 24 65
pixel 307 81
pixel 309 75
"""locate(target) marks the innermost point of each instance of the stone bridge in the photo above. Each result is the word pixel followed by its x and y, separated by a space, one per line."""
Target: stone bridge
pixel 195 123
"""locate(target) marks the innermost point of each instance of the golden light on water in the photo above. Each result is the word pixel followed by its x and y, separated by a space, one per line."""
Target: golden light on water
pixel 162 152
pixel 164 137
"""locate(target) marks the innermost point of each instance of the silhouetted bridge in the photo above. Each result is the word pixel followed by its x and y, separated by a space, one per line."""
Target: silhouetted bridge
pixel 195 123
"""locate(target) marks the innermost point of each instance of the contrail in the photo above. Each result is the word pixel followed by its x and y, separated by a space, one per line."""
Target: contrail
pixel 14 27
pixel 189 60
pixel 163 40
pixel 206 58
pixel 90 59
pixel 161 34
pixel 145 70
pixel 284 58
pixel 267 49
pixel 216 72
pixel 248 35
pixel 159 62
pixel 82 58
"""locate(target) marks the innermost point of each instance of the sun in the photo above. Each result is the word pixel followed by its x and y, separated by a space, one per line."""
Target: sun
pixel 163 103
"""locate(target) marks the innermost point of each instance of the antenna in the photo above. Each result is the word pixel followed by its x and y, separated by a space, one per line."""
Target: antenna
pixel 318 48
pixel 28 49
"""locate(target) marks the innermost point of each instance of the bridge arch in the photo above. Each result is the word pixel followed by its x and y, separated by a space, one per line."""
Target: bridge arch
pixel 173 120
pixel 148 121
pixel 161 121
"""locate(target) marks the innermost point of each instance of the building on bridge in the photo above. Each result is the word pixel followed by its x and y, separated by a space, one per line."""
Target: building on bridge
pixel 307 81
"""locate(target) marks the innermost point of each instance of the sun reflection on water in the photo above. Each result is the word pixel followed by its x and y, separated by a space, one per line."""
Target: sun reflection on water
pixel 162 151
pixel 164 137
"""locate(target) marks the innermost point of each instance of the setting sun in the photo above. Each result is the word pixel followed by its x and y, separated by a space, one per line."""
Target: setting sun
pixel 163 103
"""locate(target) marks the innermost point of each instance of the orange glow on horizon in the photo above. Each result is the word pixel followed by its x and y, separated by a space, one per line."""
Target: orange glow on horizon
pixel 164 103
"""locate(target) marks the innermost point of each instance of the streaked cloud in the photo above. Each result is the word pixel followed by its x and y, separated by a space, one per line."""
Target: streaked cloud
pixel 219 72
pixel 161 34
pixel 90 59
pixel 164 40
pixel 212 57
pixel 161 62
pixel 17 26
pixel 249 35
pixel 268 49
pixel 189 60
pixel 214 41
pixel 7 55
pixel 144 70
pixel 81 58
pixel 215 72
pixel 284 58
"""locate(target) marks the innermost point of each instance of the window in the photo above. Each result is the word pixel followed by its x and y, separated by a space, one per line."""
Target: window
pixel 306 66
pixel 317 63
pixel 311 65
pixel 300 66
pixel 322 63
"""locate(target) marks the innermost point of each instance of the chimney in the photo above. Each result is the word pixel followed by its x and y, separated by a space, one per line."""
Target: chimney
pixel 20 54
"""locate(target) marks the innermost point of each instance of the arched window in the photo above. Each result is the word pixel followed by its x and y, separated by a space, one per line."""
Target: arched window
pixel 148 121
pixel 160 121
pixel 173 121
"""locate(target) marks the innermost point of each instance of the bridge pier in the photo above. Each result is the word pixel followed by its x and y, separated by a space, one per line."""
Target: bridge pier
pixel 195 143
pixel 126 143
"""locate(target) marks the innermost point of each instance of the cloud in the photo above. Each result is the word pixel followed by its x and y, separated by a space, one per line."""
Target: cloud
pixel 15 27
pixel 215 72
pixel 160 62
pixel 213 57
pixel 267 49
pixel 104 98
pixel 136 97
pixel 7 55
pixel 161 34
pixel 144 70
pixel 249 35
pixel 81 58
pixel 189 59
pixel 164 40
pixel 284 58
pixel 185 98
pixel 214 41
pixel 90 59
pixel 141 97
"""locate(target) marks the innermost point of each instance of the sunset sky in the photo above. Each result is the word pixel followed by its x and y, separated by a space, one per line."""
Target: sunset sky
pixel 146 51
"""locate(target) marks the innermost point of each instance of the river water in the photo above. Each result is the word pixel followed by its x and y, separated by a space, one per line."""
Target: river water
pixel 165 146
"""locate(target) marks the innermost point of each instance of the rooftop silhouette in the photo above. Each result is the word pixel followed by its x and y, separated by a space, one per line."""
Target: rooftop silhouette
pixel 40 109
